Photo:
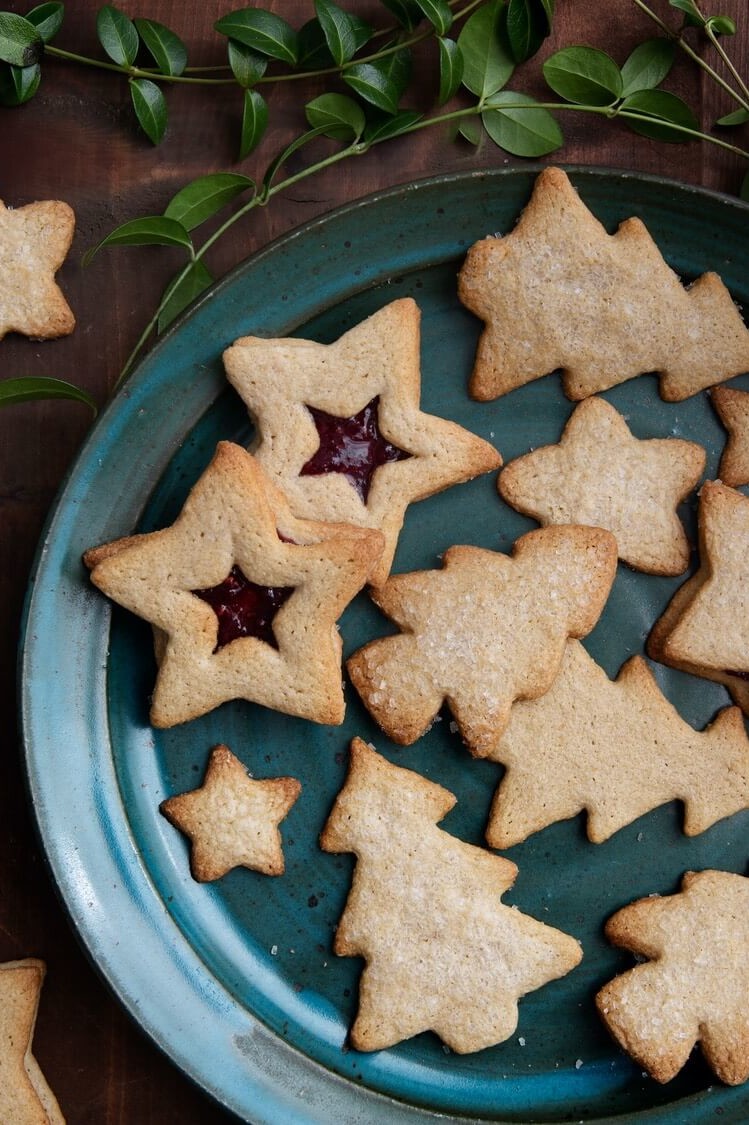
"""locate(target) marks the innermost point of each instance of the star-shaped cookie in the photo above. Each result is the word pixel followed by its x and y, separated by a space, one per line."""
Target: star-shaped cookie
pixel 481 632
pixel 33 243
pixel 558 291
pixel 25 1097
pixel 602 476
pixel 236 559
pixel 563 753
pixel 705 627
pixel 695 985
pixel 339 427
pixel 443 953
pixel 733 409
pixel 232 819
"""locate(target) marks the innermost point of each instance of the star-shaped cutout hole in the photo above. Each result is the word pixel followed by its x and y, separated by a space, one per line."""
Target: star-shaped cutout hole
pixel 371 374
pixel 600 475
pixel 353 446
pixel 24 1093
pixel 243 608
pixel 232 819
pixel 34 241
pixel 235 521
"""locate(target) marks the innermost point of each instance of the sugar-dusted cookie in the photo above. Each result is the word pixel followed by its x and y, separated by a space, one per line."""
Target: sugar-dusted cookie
pixel 616 750
pixel 244 595
pixel 559 292
pixel 442 952
pixel 485 630
pixel 232 819
pixel 695 985
pixel 733 410
pixel 705 627
pixel 25 1096
pixel 601 475
pixel 339 427
pixel 34 241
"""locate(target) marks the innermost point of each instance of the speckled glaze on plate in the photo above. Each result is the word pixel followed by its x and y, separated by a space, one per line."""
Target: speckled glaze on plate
pixel 236 980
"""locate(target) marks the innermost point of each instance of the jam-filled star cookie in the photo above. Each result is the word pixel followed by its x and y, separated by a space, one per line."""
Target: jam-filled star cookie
pixel 339 427
pixel 481 632
pixel 244 596
pixel 34 241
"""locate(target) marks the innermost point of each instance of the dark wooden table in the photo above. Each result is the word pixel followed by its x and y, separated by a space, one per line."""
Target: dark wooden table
pixel 77 141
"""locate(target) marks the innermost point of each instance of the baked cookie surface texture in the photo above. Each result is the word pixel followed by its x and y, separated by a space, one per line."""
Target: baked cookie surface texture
pixel 559 292
pixel 615 749
pixel 339 427
pixel 34 241
pixel 601 475
pixel 25 1096
pixel 481 632
pixel 695 985
pixel 442 952
pixel 244 596
pixel 232 819
pixel 733 409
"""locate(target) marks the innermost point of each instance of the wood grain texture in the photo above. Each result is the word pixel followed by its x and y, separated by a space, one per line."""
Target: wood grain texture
pixel 77 141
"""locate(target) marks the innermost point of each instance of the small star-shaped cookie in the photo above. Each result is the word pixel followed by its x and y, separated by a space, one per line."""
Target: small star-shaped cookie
pixel 705 627
pixel 235 564
pixel 601 476
pixel 733 409
pixel 370 469
pixel 232 819
pixel 33 243
pixel 485 630
pixel 559 291
pixel 25 1097
pixel 695 985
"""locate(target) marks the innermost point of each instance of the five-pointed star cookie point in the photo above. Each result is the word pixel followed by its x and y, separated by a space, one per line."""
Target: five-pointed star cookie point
pixel 289 384
pixel 25 1096
pixel 232 819
pixel 601 475
pixel 34 241
pixel 235 518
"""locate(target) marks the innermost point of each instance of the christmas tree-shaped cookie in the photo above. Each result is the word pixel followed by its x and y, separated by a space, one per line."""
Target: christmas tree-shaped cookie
pixel 564 753
pixel 695 986
pixel 558 291
pixel 442 952
pixel 483 631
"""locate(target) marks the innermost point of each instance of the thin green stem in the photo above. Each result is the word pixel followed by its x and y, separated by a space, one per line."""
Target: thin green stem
pixel 729 64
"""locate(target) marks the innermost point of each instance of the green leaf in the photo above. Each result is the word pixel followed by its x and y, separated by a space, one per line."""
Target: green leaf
pixel 343 117
pixel 338 30
pixel 584 75
pixel 182 291
pixel 548 10
pixel 407 12
pixel 692 11
pixel 720 25
pixel 381 83
pixel 167 49
pixel 659 108
pixel 439 14
pixel 363 31
pixel 150 108
pixel 152 230
pixel 254 122
pixel 738 117
pixel 247 65
pixel 487 66
pixel 647 66
pixel 21 43
pixel 31 387
pixel 47 19
pixel 472 130
pixel 383 128
pixel 526 27
pixel 278 161
pixel 203 197
pixel 744 189
pixel 451 69
pixel 117 35
pixel 263 31
pixel 313 49
pixel 523 129
pixel 18 84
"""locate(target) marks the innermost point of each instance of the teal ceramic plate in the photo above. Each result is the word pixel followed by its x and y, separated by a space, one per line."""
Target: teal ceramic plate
pixel 236 980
